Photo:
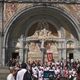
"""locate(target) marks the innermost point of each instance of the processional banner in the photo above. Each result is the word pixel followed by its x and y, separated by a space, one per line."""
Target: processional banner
pixel 50 57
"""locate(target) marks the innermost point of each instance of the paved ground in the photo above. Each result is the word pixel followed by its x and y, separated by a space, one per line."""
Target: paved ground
pixel 3 73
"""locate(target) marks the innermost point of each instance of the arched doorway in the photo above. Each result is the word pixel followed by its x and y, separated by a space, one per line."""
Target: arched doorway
pixel 22 23
pixel 70 50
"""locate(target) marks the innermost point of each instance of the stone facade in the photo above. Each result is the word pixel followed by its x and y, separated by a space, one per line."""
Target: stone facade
pixel 12 11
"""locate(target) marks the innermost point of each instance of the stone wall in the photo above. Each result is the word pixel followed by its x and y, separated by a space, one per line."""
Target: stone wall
pixel 0 34
pixel 10 9
pixel 3 73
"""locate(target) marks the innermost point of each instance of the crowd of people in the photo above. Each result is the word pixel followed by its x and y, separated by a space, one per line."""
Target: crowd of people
pixel 55 70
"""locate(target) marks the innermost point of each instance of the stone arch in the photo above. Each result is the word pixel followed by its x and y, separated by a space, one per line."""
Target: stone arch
pixel 49 11
pixel 67 15
pixel 71 42
pixel 34 22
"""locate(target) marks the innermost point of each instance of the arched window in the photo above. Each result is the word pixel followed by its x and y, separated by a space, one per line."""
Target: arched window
pixel 70 44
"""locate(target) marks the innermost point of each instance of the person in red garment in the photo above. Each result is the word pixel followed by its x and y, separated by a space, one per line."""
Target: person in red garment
pixel 66 73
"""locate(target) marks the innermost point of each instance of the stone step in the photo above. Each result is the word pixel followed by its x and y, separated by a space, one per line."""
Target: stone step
pixel 3 73
pixel 3 76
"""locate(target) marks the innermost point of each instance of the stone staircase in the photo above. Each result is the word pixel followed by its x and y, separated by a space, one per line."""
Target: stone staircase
pixel 4 71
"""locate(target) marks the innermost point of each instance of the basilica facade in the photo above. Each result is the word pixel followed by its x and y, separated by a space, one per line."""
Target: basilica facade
pixel 39 31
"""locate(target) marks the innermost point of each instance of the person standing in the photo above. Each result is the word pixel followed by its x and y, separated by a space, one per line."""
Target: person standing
pixel 21 72
pixel 66 73
pixel 40 74
pixel 11 76
pixel 35 72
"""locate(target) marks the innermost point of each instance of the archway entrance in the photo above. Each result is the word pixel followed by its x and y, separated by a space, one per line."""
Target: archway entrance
pixel 40 42
pixel 71 56
pixel 25 24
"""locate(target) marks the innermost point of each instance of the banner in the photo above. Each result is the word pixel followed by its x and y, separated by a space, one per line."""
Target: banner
pixel 50 57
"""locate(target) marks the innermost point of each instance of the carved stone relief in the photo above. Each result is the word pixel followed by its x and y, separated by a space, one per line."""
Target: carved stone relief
pixel 35 49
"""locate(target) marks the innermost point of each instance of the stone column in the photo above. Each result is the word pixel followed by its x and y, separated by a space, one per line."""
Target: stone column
pixel 26 56
pixel 60 49
pixel 21 50
pixel 42 51
pixel 63 51
pixel 2 52
pixel 26 52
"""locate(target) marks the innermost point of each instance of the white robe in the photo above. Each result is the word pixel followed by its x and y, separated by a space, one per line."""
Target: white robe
pixel 10 77
pixel 40 75
pixel 20 74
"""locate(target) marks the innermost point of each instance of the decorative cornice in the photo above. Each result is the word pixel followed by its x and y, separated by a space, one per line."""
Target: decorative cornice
pixel 44 1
